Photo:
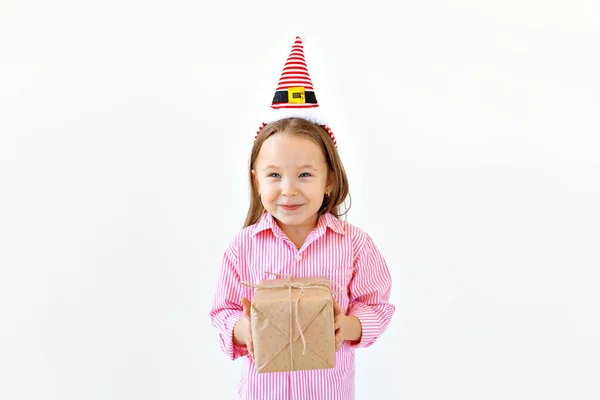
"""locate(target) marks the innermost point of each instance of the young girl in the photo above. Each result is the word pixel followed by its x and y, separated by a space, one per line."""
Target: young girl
pixel 293 228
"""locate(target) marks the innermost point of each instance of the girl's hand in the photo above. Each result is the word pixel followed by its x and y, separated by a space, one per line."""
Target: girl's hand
pixel 339 324
pixel 249 342
pixel 242 332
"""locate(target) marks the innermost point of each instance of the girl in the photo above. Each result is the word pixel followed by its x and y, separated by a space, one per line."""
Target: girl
pixel 293 228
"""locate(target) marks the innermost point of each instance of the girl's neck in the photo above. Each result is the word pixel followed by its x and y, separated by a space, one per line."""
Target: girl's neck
pixel 298 234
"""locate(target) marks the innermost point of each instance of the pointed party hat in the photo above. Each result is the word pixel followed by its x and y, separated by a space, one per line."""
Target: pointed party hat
pixel 295 95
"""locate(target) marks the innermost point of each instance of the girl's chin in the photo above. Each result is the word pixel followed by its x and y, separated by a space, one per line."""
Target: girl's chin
pixel 291 218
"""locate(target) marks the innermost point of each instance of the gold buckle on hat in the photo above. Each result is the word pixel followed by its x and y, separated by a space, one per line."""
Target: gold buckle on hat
pixel 296 95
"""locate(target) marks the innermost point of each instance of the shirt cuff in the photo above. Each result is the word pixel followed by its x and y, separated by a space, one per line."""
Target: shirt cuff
pixel 227 344
pixel 369 322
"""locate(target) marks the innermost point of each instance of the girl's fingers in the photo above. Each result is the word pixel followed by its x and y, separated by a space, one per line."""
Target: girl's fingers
pixel 338 345
pixel 338 335
pixel 337 309
pixel 246 307
pixel 338 339
pixel 250 346
pixel 249 341
pixel 337 321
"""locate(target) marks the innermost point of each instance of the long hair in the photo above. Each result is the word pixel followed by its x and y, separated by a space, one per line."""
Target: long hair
pixel 302 128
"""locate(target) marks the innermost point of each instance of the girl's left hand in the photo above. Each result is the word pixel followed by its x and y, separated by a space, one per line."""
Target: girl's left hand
pixel 339 321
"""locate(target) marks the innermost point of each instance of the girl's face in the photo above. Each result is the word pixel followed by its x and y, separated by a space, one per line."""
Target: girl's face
pixel 292 177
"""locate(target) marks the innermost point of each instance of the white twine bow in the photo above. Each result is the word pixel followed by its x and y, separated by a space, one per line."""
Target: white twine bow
pixel 289 284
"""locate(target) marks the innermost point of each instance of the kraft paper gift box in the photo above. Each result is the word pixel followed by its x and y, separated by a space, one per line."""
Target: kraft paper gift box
pixel 307 312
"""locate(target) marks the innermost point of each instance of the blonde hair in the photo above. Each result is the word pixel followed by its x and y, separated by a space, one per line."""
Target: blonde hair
pixel 318 134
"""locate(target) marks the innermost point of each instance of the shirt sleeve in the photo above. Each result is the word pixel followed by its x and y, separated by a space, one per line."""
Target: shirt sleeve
pixel 369 293
pixel 226 307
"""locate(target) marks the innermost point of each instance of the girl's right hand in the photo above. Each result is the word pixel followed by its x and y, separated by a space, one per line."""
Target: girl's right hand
pixel 243 328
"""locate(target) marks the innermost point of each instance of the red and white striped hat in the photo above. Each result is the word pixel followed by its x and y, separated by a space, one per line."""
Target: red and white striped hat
pixel 295 95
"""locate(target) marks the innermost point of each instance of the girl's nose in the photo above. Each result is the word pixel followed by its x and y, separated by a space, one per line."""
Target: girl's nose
pixel 288 188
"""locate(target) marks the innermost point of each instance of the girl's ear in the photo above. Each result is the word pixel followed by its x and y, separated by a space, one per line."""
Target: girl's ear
pixel 330 182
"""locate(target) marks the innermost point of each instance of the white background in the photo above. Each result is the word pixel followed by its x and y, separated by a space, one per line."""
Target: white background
pixel 469 130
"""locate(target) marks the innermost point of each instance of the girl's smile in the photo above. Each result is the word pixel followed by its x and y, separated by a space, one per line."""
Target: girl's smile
pixel 290 207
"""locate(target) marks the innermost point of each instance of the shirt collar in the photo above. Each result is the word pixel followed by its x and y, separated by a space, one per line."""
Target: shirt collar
pixel 325 221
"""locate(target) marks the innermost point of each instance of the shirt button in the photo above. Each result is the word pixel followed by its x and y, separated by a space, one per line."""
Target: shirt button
pixel 298 257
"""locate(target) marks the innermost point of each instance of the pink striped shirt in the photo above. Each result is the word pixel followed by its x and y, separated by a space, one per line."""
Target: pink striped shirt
pixel 335 249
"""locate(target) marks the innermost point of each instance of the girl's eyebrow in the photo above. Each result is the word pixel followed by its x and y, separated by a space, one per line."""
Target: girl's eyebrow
pixel 307 166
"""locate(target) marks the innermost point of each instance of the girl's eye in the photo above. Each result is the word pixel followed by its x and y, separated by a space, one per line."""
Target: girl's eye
pixel 304 175
pixel 274 175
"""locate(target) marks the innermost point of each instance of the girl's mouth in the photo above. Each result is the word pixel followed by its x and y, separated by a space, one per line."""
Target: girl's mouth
pixel 290 207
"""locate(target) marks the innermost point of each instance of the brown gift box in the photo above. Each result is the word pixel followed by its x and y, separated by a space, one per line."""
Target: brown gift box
pixel 271 325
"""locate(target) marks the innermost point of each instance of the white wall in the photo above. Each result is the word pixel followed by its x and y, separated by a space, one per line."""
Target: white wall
pixel 470 133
